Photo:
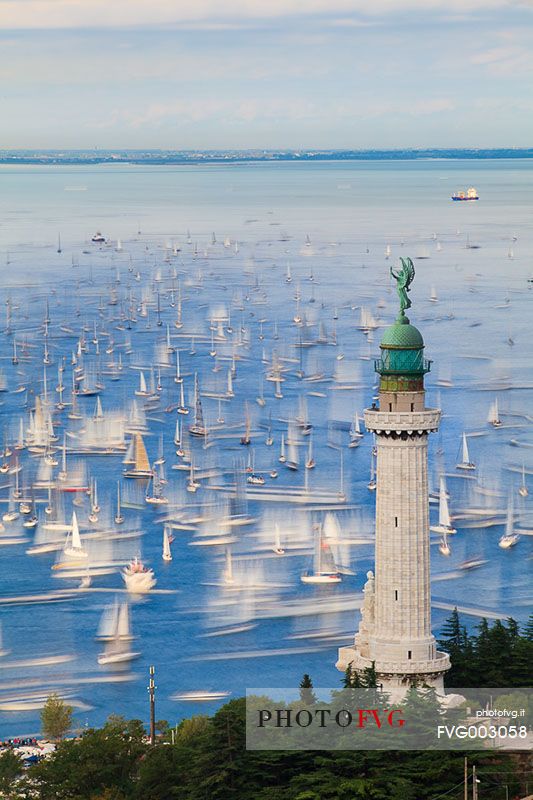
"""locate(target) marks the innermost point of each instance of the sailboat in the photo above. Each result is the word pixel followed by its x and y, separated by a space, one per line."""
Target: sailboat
pixel 324 569
pixel 293 457
pixel 288 276
pixel 182 408
pixel 141 468
pixel 465 462
pixel 142 391
pixel 167 541
pixel 372 482
pixel 523 491
pixel 444 546
pixel 433 298
pixel 355 432
pixel 156 496
pixel 11 514
pixel 73 547
pixel 192 483
pixel 3 651
pixel 246 437
pixel 115 631
pixel 197 428
pixel 178 377
pixel 493 415
pixel 227 574
pixel 444 524
pixel 119 517
pixel 509 538
pixel 277 549
pixel 32 520
pixel 310 462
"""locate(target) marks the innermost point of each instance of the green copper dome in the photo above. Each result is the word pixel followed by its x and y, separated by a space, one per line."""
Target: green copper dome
pixel 402 335
pixel 402 365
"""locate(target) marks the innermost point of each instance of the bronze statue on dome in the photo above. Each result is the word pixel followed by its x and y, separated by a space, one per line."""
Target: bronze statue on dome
pixel 404 279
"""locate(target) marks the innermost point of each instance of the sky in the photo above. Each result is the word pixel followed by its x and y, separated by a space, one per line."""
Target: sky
pixel 273 74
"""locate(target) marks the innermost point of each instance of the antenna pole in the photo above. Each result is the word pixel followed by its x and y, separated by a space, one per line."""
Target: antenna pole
pixel 151 690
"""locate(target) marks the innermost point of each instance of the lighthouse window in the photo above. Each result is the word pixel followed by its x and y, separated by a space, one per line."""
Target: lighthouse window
pixel 395 522
pixel 409 654
pixel 396 594
pixel 412 406
pixel 390 406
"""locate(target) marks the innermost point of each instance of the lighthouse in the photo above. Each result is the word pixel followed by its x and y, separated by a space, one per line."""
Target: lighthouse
pixel 395 628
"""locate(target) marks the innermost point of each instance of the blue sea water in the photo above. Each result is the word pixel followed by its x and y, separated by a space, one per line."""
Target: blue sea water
pixel 478 336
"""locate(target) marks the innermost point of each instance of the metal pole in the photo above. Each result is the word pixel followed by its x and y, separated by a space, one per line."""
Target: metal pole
pixel 506 792
pixel 466 779
pixel 151 690
pixel 474 783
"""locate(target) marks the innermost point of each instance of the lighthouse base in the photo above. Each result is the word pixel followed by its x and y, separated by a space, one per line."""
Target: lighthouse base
pixel 396 678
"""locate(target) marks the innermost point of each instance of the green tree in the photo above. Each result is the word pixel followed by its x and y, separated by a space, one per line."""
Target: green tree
pixel 351 678
pixel 370 678
pixel 104 760
pixel 528 629
pixel 56 718
pixel 455 641
pixel 11 768
pixel 307 695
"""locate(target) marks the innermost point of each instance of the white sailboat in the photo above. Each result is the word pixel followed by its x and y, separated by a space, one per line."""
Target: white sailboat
pixel 324 569
pixel 197 428
pixel 73 548
pixel 493 416
pixel 277 549
pixel 355 432
pixel 444 546
pixel 509 538
pixel 293 456
pixel 444 524
pixel 167 541
pixel 178 377
pixel 310 462
pixel 227 574
pixel 465 462
pixel 372 483
pixel 3 650
pixel 119 517
pixel 115 631
pixel 142 391
pixel 155 497
pixel 182 408
pixel 433 298
pixel 523 491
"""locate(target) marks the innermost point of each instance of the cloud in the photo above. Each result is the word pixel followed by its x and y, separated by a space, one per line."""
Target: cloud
pixel 48 14
pixel 245 111
pixel 513 59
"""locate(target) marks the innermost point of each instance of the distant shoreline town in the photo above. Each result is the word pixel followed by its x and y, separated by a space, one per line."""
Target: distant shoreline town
pixel 148 157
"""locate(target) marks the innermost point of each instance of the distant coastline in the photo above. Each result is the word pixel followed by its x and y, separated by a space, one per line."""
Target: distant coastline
pixel 163 157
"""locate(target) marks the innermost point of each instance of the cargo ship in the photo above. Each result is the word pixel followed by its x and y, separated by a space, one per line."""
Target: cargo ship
pixel 470 194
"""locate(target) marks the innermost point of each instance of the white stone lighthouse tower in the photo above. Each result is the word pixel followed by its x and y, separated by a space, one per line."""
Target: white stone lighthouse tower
pixel 395 629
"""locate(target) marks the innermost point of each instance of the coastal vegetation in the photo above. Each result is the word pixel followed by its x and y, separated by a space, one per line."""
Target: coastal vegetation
pixel 208 761
pixel 56 718
pixel 494 655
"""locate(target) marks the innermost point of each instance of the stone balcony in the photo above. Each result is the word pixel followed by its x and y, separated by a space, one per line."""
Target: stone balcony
pixel 350 655
pixel 397 421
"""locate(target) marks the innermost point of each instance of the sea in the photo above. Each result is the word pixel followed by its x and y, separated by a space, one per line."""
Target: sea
pixel 226 238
